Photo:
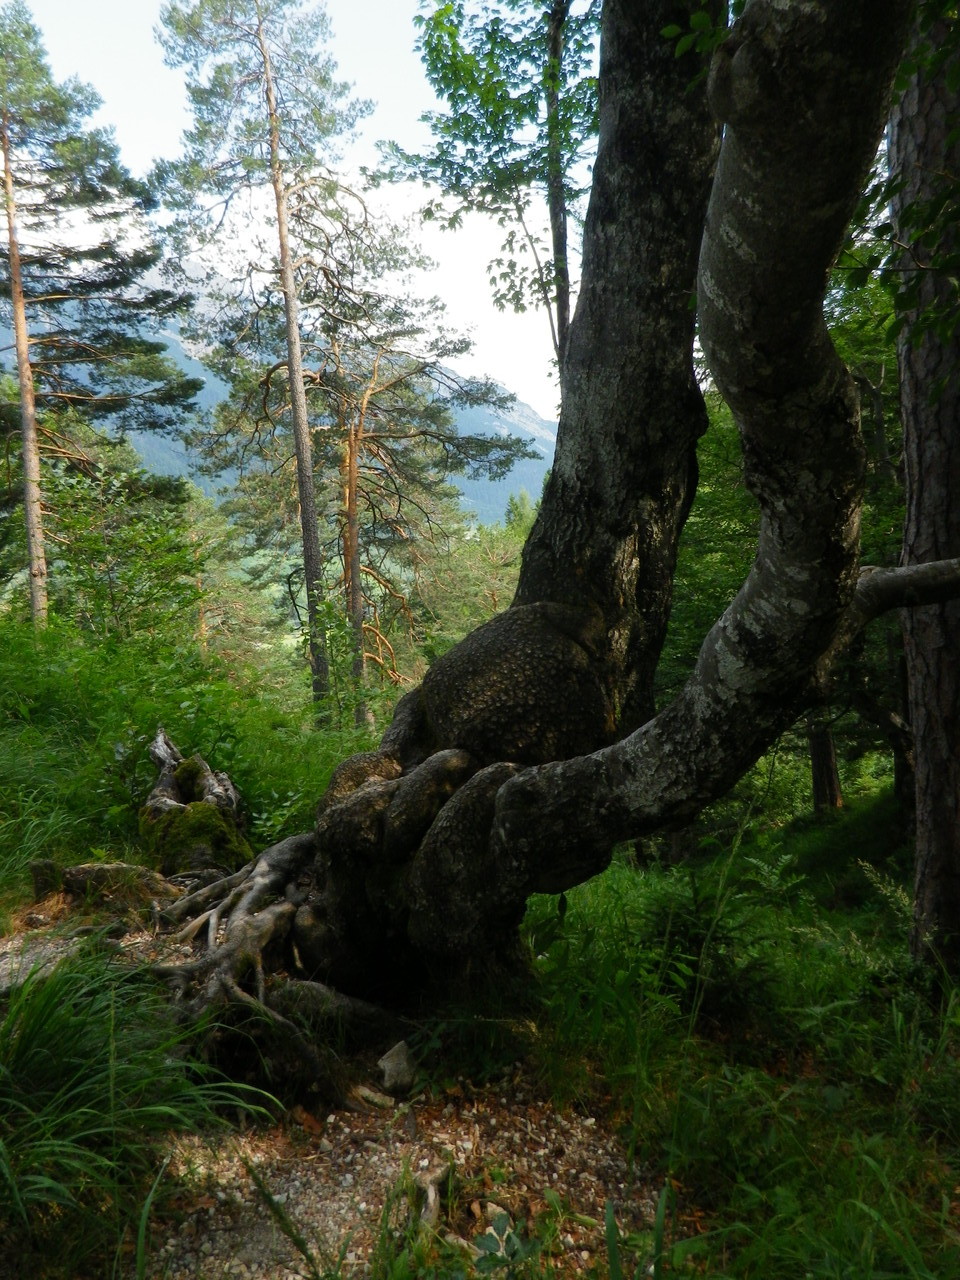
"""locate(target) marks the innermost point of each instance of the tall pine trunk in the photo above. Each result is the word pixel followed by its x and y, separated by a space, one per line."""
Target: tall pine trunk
pixel 352 571
pixel 922 151
pixel 32 498
pixel 306 494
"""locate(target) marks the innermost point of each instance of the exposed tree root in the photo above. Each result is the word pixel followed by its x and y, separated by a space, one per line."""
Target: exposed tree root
pixel 407 884
pixel 236 897
pixel 247 969
pixel 426 849
pixel 390 897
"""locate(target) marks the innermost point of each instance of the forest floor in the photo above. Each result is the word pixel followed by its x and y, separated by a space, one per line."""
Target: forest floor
pixel 339 1192
pixel 343 1191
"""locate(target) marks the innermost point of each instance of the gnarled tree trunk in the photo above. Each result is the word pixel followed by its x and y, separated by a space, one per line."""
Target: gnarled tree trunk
pixel 624 473
pixel 529 750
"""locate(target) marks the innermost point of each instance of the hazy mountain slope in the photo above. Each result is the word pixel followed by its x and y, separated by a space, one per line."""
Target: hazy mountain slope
pixel 167 455
pixel 485 499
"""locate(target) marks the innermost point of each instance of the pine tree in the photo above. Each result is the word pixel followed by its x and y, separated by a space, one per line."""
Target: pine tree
pixel 73 272
pixel 382 400
pixel 266 106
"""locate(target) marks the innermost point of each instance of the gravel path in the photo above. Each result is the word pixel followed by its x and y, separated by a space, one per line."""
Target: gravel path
pixel 514 1160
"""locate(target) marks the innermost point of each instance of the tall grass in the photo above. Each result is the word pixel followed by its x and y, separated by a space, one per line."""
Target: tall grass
pixel 772 1055
pixel 77 717
pixel 29 829
pixel 93 1073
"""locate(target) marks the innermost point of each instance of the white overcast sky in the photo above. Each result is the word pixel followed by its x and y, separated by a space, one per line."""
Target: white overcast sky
pixel 110 45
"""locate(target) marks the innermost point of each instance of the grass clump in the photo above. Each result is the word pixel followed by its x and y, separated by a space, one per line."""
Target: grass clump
pixel 94 1072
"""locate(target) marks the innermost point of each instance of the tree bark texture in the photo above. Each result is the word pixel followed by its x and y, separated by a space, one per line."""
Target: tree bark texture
pixel 30 449
pixel 624 471
pixel 802 91
pixel 924 151
pixel 489 784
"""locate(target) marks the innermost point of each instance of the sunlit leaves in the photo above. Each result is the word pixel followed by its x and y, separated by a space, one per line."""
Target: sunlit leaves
pixel 515 121
pixel 125 562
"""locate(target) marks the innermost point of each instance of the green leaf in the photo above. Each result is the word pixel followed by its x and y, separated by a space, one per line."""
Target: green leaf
pixel 685 44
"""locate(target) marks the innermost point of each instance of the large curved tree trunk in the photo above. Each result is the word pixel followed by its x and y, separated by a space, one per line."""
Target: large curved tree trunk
pixel 803 91
pixel 924 147
pixel 624 473
pixel 528 750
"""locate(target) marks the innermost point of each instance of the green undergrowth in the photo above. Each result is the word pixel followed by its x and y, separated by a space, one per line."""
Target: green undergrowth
pixel 77 718
pixel 749 1016
pixel 780 1071
pixel 775 1061
pixel 94 1075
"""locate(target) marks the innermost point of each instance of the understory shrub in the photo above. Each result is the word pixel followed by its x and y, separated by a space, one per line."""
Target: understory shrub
pixel 772 1054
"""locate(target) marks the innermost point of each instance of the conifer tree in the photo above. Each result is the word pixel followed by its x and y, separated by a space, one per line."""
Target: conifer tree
pixel 73 271
pixel 266 106
pixel 382 398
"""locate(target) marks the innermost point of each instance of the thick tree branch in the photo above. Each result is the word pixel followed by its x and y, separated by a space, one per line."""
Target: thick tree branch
pixel 880 590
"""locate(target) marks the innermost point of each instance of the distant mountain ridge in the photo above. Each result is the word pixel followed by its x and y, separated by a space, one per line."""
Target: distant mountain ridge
pixel 486 500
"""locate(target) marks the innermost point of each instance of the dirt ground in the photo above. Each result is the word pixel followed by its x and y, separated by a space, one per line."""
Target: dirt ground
pixel 460 1162
pixel 465 1162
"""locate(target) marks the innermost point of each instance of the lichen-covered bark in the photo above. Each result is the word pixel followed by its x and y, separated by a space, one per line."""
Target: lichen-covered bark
pixel 624 471
pixel 925 150
pixel 802 90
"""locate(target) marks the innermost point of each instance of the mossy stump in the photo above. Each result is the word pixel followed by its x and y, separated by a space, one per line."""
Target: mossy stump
pixel 192 819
